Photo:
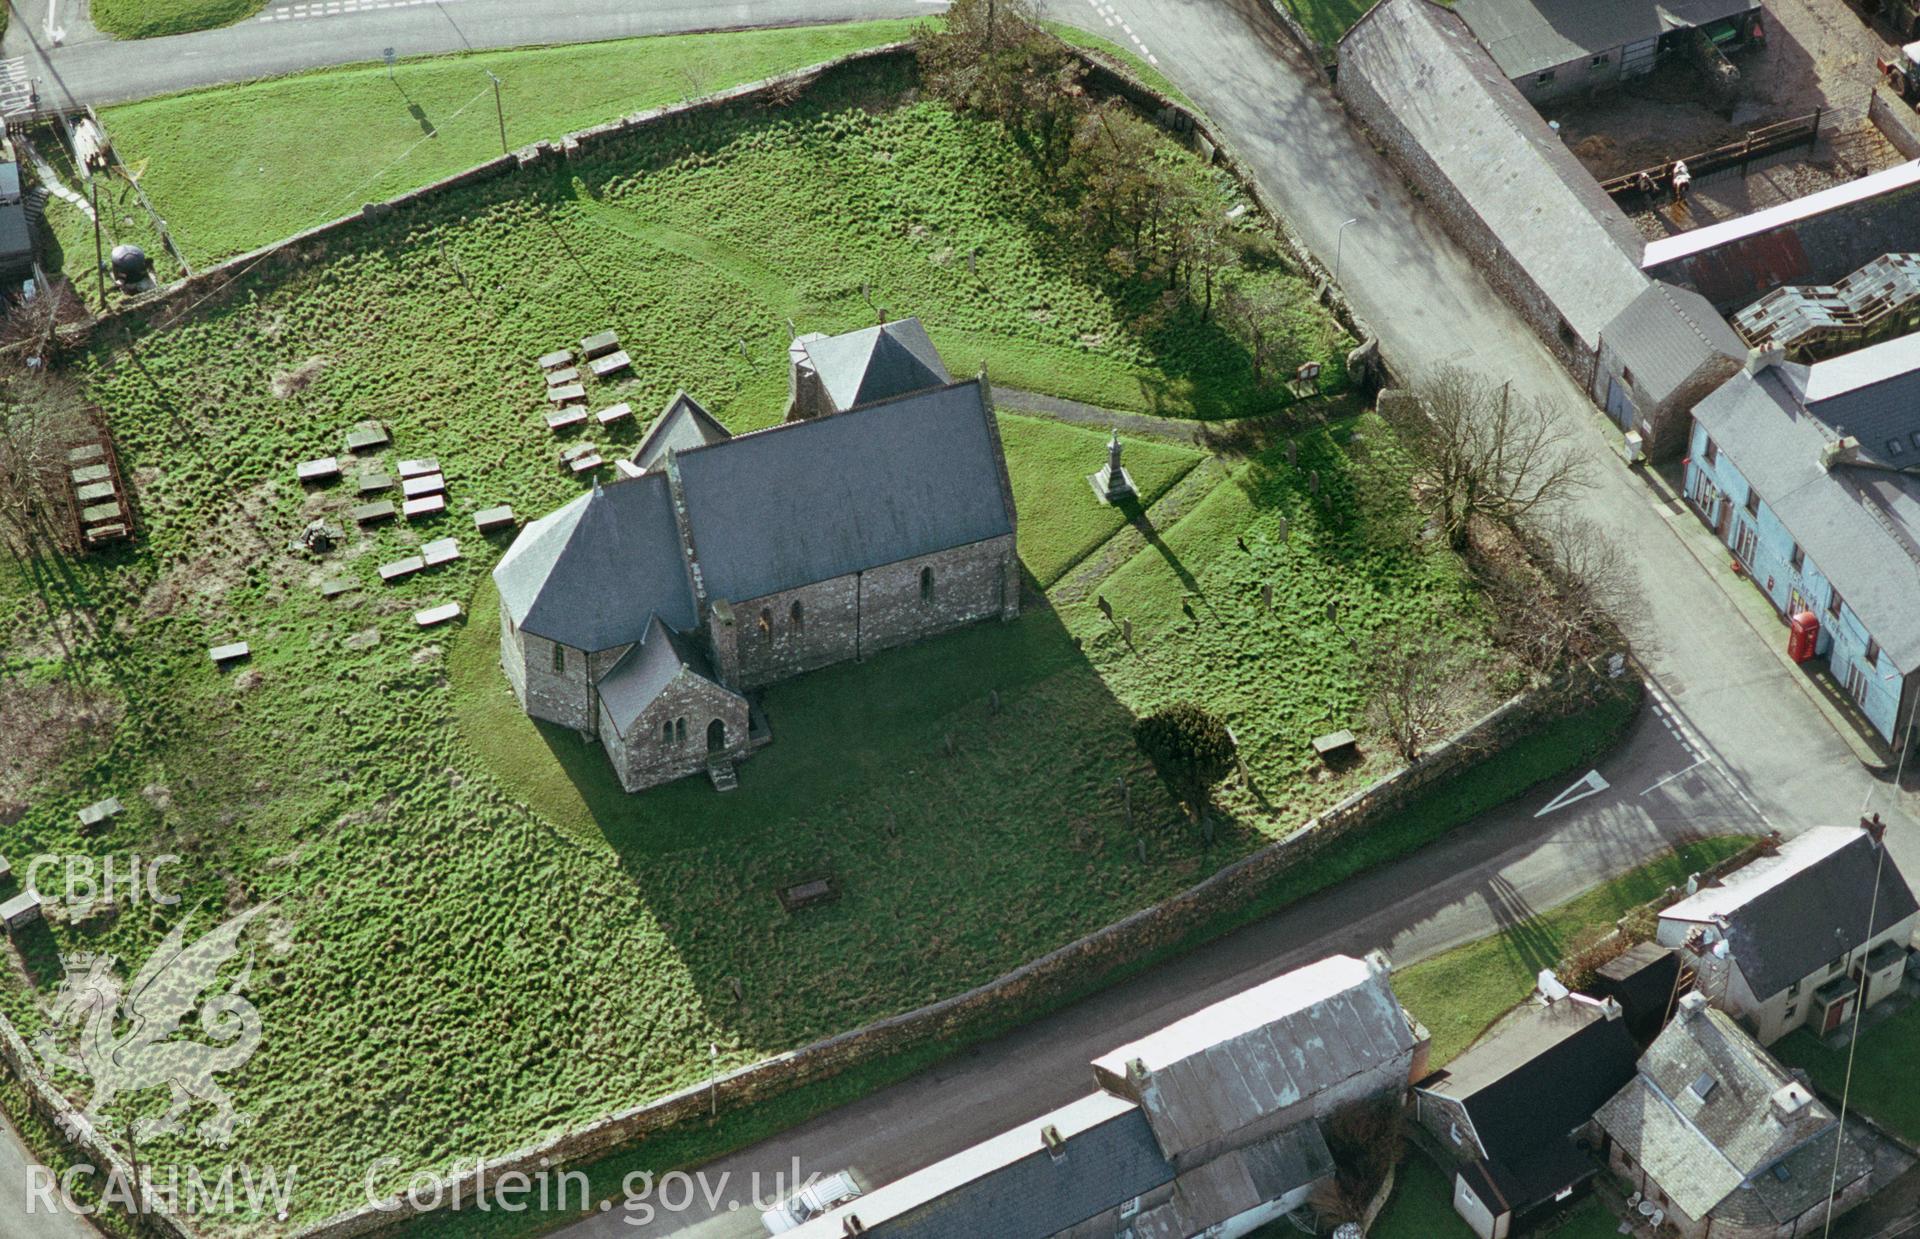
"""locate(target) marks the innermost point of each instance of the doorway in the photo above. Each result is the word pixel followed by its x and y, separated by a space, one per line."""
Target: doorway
pixel 716 737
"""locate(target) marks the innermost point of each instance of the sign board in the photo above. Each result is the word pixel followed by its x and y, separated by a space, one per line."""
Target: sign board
pixel 386 54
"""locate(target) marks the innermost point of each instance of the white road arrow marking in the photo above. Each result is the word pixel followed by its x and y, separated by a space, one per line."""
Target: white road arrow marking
pixel 1591 785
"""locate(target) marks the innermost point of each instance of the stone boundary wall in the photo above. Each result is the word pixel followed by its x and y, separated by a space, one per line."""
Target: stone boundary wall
pixel 1895 118
pixel 1052 976
pixel 159 1217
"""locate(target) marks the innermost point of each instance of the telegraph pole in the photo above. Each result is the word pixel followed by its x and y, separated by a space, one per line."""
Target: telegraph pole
pixel 99 258
pixel 498 111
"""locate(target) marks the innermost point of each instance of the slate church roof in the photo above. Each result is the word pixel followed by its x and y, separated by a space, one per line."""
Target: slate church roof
pixel 1787 915
pixel 643 671
pixel 795 504
pixel 682 425
pixel 877 363
pixel 593 573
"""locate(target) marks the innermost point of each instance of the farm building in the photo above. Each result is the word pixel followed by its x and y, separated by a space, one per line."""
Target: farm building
pixel 1658 358
pixel 644 611
pixel 1799 471
pixel 1553 48
pixel 1503 184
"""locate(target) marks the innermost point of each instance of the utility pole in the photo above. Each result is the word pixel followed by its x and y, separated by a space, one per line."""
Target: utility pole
pixel 498 111
pixel 99 257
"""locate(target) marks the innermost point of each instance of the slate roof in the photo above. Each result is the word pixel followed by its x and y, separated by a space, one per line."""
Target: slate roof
pixel 1859 525
pixel 1526 36
pixel 1262 1050
pixel 1235 1182
pixel 592 574
pixel 1701 1151
pixel 877 363
pixel 633 683
pixel 1668 334
pixel 1787 915
pixel 683 424
pixel 1531 1082
pixel 813 500
pixel 1537 199
pixel 1011 1186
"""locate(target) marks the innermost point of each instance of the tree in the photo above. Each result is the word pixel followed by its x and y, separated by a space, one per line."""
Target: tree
pixel 1483 453
pixel 1190 747
pixel 1565 603
pixel 1364 1139
pixel 1415 676
pixel 993 58
pixel 40 418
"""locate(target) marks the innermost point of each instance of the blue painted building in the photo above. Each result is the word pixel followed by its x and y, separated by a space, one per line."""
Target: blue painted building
pixel 1802 472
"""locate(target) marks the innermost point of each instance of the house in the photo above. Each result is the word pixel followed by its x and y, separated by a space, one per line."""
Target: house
pixel 1800 470
pixel 1785 941
pixel 1511 1108
pixel 1503 184
pixel 1550 49
pixel 645 611
pixel 1723 1141
pixel 1212 1125
pixel 1660 357
pixel 1645 980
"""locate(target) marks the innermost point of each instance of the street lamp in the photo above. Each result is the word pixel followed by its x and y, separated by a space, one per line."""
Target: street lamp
pixel 497 111
pixel 1339 240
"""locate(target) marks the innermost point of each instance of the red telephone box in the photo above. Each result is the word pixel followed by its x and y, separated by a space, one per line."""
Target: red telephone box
pixel 1803 634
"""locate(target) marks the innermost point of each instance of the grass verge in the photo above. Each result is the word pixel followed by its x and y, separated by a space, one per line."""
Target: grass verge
pixel 1458 994
pixel 146 19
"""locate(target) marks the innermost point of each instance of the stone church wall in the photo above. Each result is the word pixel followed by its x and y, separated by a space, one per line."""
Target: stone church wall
pixel 773 646
pixel 643 758
pixel 969 583
pixel 563 696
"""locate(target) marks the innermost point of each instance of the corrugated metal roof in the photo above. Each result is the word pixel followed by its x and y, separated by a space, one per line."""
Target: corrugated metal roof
pixel 1526 36
pixel 591 574
pixel 1667 335
pixel 1685 244
pixel 1012 1187
pixel 1545 208
pixel 1260 1051
pixel 814 500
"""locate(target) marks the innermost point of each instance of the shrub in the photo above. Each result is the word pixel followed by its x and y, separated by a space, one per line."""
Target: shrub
pixel 1190 747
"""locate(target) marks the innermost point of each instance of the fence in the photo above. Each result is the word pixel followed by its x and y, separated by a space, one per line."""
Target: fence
pixel 1759 143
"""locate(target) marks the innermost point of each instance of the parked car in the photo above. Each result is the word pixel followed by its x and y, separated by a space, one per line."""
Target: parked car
pixel 810 1202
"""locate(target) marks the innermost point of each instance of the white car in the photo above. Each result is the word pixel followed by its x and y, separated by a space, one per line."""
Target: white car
pixel 810 1202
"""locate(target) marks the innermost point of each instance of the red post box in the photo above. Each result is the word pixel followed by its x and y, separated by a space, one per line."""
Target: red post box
pixel 1803 634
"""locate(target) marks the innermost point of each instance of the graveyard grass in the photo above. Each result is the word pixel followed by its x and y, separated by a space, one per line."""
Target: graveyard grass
pixel 489 942
pixel 144 19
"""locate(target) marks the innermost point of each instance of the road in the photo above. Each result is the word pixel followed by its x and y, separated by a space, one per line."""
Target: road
pixel 1735 743
pixel 91 68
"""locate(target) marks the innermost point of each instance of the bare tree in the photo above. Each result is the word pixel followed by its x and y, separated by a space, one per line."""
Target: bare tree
pixel 1260 313
pixel 1415 676
pixel 1566 602
pixel 1484 453
pixel 35 322
pixel 40 417
pixel 994 58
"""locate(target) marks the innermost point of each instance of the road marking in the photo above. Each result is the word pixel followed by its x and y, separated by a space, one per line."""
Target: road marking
pixel 16 86
pixel 1699 749
pixel 342 8
pixel 1590 785
pixel 1111 14
pixel 1676 774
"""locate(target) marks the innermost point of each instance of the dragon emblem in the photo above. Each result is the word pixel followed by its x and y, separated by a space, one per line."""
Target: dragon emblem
pixel 144 1053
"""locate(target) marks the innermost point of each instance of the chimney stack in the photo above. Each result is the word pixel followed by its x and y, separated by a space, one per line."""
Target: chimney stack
pixel 1692 1004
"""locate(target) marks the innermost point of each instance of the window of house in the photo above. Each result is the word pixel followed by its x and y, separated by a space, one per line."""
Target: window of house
pixel 1873 652
pixel 1753 502
pixel 1793 1009
pixel 1793 990
pixel 1834 602
pixel 1798 558
pixel 1566 328
pixel 766 624
pixel 1914 438
pixel 926 584
pixel 1626 1159
pixel 1626 372
pixel 1543 77
pixel 559 660
pixel 1597 61
pixel 1713 450
pixel 1894 447
pixel 1130 1208
pixel 795 619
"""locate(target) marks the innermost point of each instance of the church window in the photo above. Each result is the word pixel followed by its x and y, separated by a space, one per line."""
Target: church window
pixel 666 732
pixel 795 617
pixel 680 731
pixel 766 624
pixel 926 584
pixel 559 659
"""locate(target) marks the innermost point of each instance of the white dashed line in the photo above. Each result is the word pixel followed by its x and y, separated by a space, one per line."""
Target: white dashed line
pixel 341 8
pixel 1112 17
